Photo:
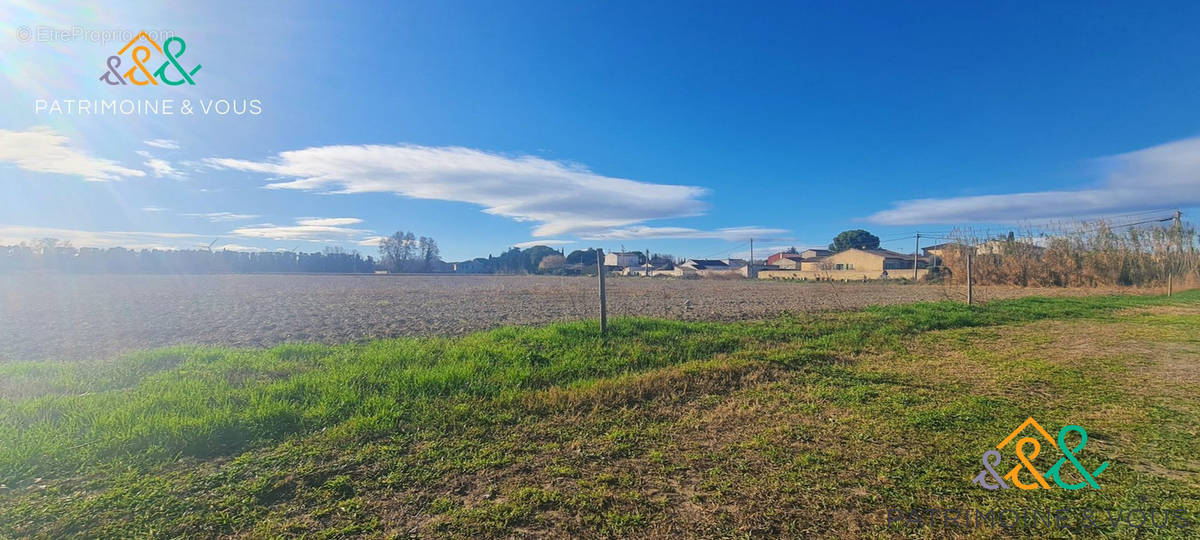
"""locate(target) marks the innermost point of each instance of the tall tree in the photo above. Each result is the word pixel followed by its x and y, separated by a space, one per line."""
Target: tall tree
pixel 429 253
pixel 397 251
pixel 854 239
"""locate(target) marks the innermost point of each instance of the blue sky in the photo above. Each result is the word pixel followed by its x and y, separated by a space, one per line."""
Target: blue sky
pixel 682 128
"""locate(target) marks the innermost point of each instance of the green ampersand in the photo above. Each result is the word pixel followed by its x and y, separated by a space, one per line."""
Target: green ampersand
pixel 1089 479
pixel 173 60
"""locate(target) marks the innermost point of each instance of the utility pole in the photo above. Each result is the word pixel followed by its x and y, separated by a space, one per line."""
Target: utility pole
pixel 603 303
pixel 970 249
pixel 918 250
pixel 750 269
pixel 1178 247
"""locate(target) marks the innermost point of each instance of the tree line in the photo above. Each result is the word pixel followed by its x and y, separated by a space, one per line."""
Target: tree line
pixel 54 256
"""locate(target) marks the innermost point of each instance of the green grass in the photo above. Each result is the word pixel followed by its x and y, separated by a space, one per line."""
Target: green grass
pixel 795 425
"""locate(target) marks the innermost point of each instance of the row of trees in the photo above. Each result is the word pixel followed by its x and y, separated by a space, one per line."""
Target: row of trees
pixel 405 252
pixel 53 256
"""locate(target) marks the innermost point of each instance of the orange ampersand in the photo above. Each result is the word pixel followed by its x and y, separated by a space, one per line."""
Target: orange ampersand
pixel 1026 462
pixel 137 60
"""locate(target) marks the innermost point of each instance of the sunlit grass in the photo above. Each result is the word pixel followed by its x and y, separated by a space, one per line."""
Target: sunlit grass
pixel 254 429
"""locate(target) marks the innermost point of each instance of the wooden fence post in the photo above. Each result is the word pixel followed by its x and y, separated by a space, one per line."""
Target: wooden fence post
pixel 603 300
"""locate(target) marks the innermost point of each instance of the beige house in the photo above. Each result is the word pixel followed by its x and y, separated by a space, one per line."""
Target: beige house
pixel 1000 246
pixel 811 263
pixel 853 265
pixel 638 270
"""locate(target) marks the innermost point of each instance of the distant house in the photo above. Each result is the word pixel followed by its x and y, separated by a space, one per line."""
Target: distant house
pixel 789 263
pixel 870 260
pixel 638 270
pixel 474 266
pixel 622 259
pixel 776 257
pixel 999 246
pixel 710 267
pixel 1002 246
pixel 853 264
pixel 813 263
pixel 938 250
pixel 808 254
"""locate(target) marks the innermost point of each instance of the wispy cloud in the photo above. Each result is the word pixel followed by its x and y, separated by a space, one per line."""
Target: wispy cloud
pixel 41 149
pixel 371 241
pixel 217 217
pixel 153 208
pixel 328 222
pixel 306 230
pixel 732 234
pixel 547 243
pixel 1161 176
pixel 163 169
pixel 167 144
pixel 15 234
pixel 560 197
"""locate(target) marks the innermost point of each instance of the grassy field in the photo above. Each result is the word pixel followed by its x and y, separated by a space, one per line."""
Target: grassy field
pixel 799 425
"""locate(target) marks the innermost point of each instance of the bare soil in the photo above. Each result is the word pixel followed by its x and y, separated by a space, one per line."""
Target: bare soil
pixel 86 317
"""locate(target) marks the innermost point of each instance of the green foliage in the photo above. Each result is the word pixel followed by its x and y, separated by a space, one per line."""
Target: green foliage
pixel 212 441
pixel 856 239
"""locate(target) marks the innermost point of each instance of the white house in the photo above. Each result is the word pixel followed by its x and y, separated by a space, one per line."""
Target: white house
pixel 621 259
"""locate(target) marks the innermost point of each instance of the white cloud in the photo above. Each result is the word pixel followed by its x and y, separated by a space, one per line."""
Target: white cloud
pixel 329 222
pixel 371 241
pixel 1161 176
pixel 163 169
pixel 153 208
pixel 15 234
pixel 731 234
pixel 42 150
pixel 217 217
pixel 167 144
pixel 532 243
pixel 306 230
pixel 562 198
